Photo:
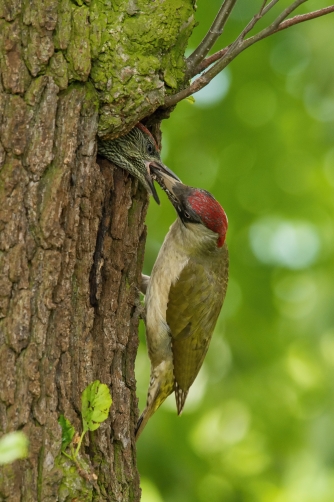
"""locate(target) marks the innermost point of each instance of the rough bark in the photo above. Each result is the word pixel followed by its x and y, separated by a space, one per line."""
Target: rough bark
pixel 60 227
pixel 72 230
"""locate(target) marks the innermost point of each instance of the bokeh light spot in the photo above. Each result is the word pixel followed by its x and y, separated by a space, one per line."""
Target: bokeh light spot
pixel 289 244
pixel 247 458
pixel 225 425
pixel 215 91
pixel 319 105
pixel 218 360
pixel 302 368
pixel 214 488
pixel 233 299
pixel 327 346
pixel 150 493
pixel 297 296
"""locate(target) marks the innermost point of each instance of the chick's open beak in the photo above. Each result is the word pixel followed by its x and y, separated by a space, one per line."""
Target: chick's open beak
pixel 150 182
pixel 157 171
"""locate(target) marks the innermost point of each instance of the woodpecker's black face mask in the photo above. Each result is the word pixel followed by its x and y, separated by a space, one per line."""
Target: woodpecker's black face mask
pixel 178 195
pixel 179 199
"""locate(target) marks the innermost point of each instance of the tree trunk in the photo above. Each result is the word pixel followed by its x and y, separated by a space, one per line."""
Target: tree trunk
pixel 72 231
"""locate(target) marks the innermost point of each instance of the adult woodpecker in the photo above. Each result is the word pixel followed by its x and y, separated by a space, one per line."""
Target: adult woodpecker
pixel 184 294
pixel 136 152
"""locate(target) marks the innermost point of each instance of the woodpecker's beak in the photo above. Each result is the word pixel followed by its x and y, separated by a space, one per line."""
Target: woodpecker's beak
pixel 157 170
pixel 168 183
pixel 150 183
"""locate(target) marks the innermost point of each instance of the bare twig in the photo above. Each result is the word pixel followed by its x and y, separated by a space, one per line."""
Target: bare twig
pixel 273 26
pixel 211 59
pixel 210 38
pixel 263 10
pixel 240 44
pixel 283 26
pixel 304 17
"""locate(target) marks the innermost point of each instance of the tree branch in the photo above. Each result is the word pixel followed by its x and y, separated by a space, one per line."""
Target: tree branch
pixel 210 38
pixel 226 55
pixel 283 26
pixel 304 17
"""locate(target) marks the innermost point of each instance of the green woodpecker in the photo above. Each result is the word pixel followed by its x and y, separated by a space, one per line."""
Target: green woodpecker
pixel 136 152
pixel 184 294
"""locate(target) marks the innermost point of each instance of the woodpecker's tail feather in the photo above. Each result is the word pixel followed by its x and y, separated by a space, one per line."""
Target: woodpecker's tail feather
pixel 161 385
pixel 180 397
pixel 141 424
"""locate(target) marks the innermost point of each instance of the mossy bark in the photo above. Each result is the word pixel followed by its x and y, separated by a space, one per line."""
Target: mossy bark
pixel 72 231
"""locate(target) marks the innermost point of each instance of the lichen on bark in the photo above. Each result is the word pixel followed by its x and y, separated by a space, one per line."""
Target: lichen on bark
pixel 138 50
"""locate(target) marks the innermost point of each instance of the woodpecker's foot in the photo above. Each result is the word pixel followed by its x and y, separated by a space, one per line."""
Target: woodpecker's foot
pixel 145 279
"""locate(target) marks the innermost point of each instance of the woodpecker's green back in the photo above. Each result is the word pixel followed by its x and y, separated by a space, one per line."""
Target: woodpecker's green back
pixel 194 303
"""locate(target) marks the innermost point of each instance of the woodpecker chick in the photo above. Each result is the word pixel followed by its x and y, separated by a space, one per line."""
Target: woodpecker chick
pixel 136 152
pixel 185 294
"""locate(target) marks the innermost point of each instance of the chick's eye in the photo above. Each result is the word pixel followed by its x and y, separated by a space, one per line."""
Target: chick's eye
pixel 150 149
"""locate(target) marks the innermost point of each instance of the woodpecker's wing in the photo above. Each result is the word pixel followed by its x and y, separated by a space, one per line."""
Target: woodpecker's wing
pixel 194 303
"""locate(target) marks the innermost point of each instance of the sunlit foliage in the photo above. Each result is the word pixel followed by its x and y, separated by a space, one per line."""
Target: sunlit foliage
pixel 259 421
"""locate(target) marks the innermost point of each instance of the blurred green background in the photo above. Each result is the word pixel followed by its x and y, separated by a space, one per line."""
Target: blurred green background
pixel 258 424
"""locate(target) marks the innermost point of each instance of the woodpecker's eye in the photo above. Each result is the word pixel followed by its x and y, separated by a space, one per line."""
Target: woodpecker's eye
pixel 187 215
pixel 150 149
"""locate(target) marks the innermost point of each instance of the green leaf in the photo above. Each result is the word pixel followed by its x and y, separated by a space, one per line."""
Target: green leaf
pixel 190 99
pixel 95 404
pixel 68 432
pixel 13 446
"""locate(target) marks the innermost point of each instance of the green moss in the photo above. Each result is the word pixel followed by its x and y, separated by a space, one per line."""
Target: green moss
pixel 98 32
pixel 91 101
pixel 58 70
pixel 49 188
pixel 132 212
pixel 35 90
pixel 78 52
pixel 133 51
pixel 118 461
pixel 73 485
pixel 49 184
pixel 62 34
pixel 170 79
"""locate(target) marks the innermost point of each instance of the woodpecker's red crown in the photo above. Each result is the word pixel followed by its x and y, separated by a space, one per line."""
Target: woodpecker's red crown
pixel 210 212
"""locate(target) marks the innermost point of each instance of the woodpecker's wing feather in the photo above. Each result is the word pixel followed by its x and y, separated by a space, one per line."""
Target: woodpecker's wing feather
pixel 194 303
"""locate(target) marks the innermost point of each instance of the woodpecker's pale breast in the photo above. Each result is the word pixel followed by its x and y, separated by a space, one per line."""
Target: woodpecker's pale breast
pixel 184 297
